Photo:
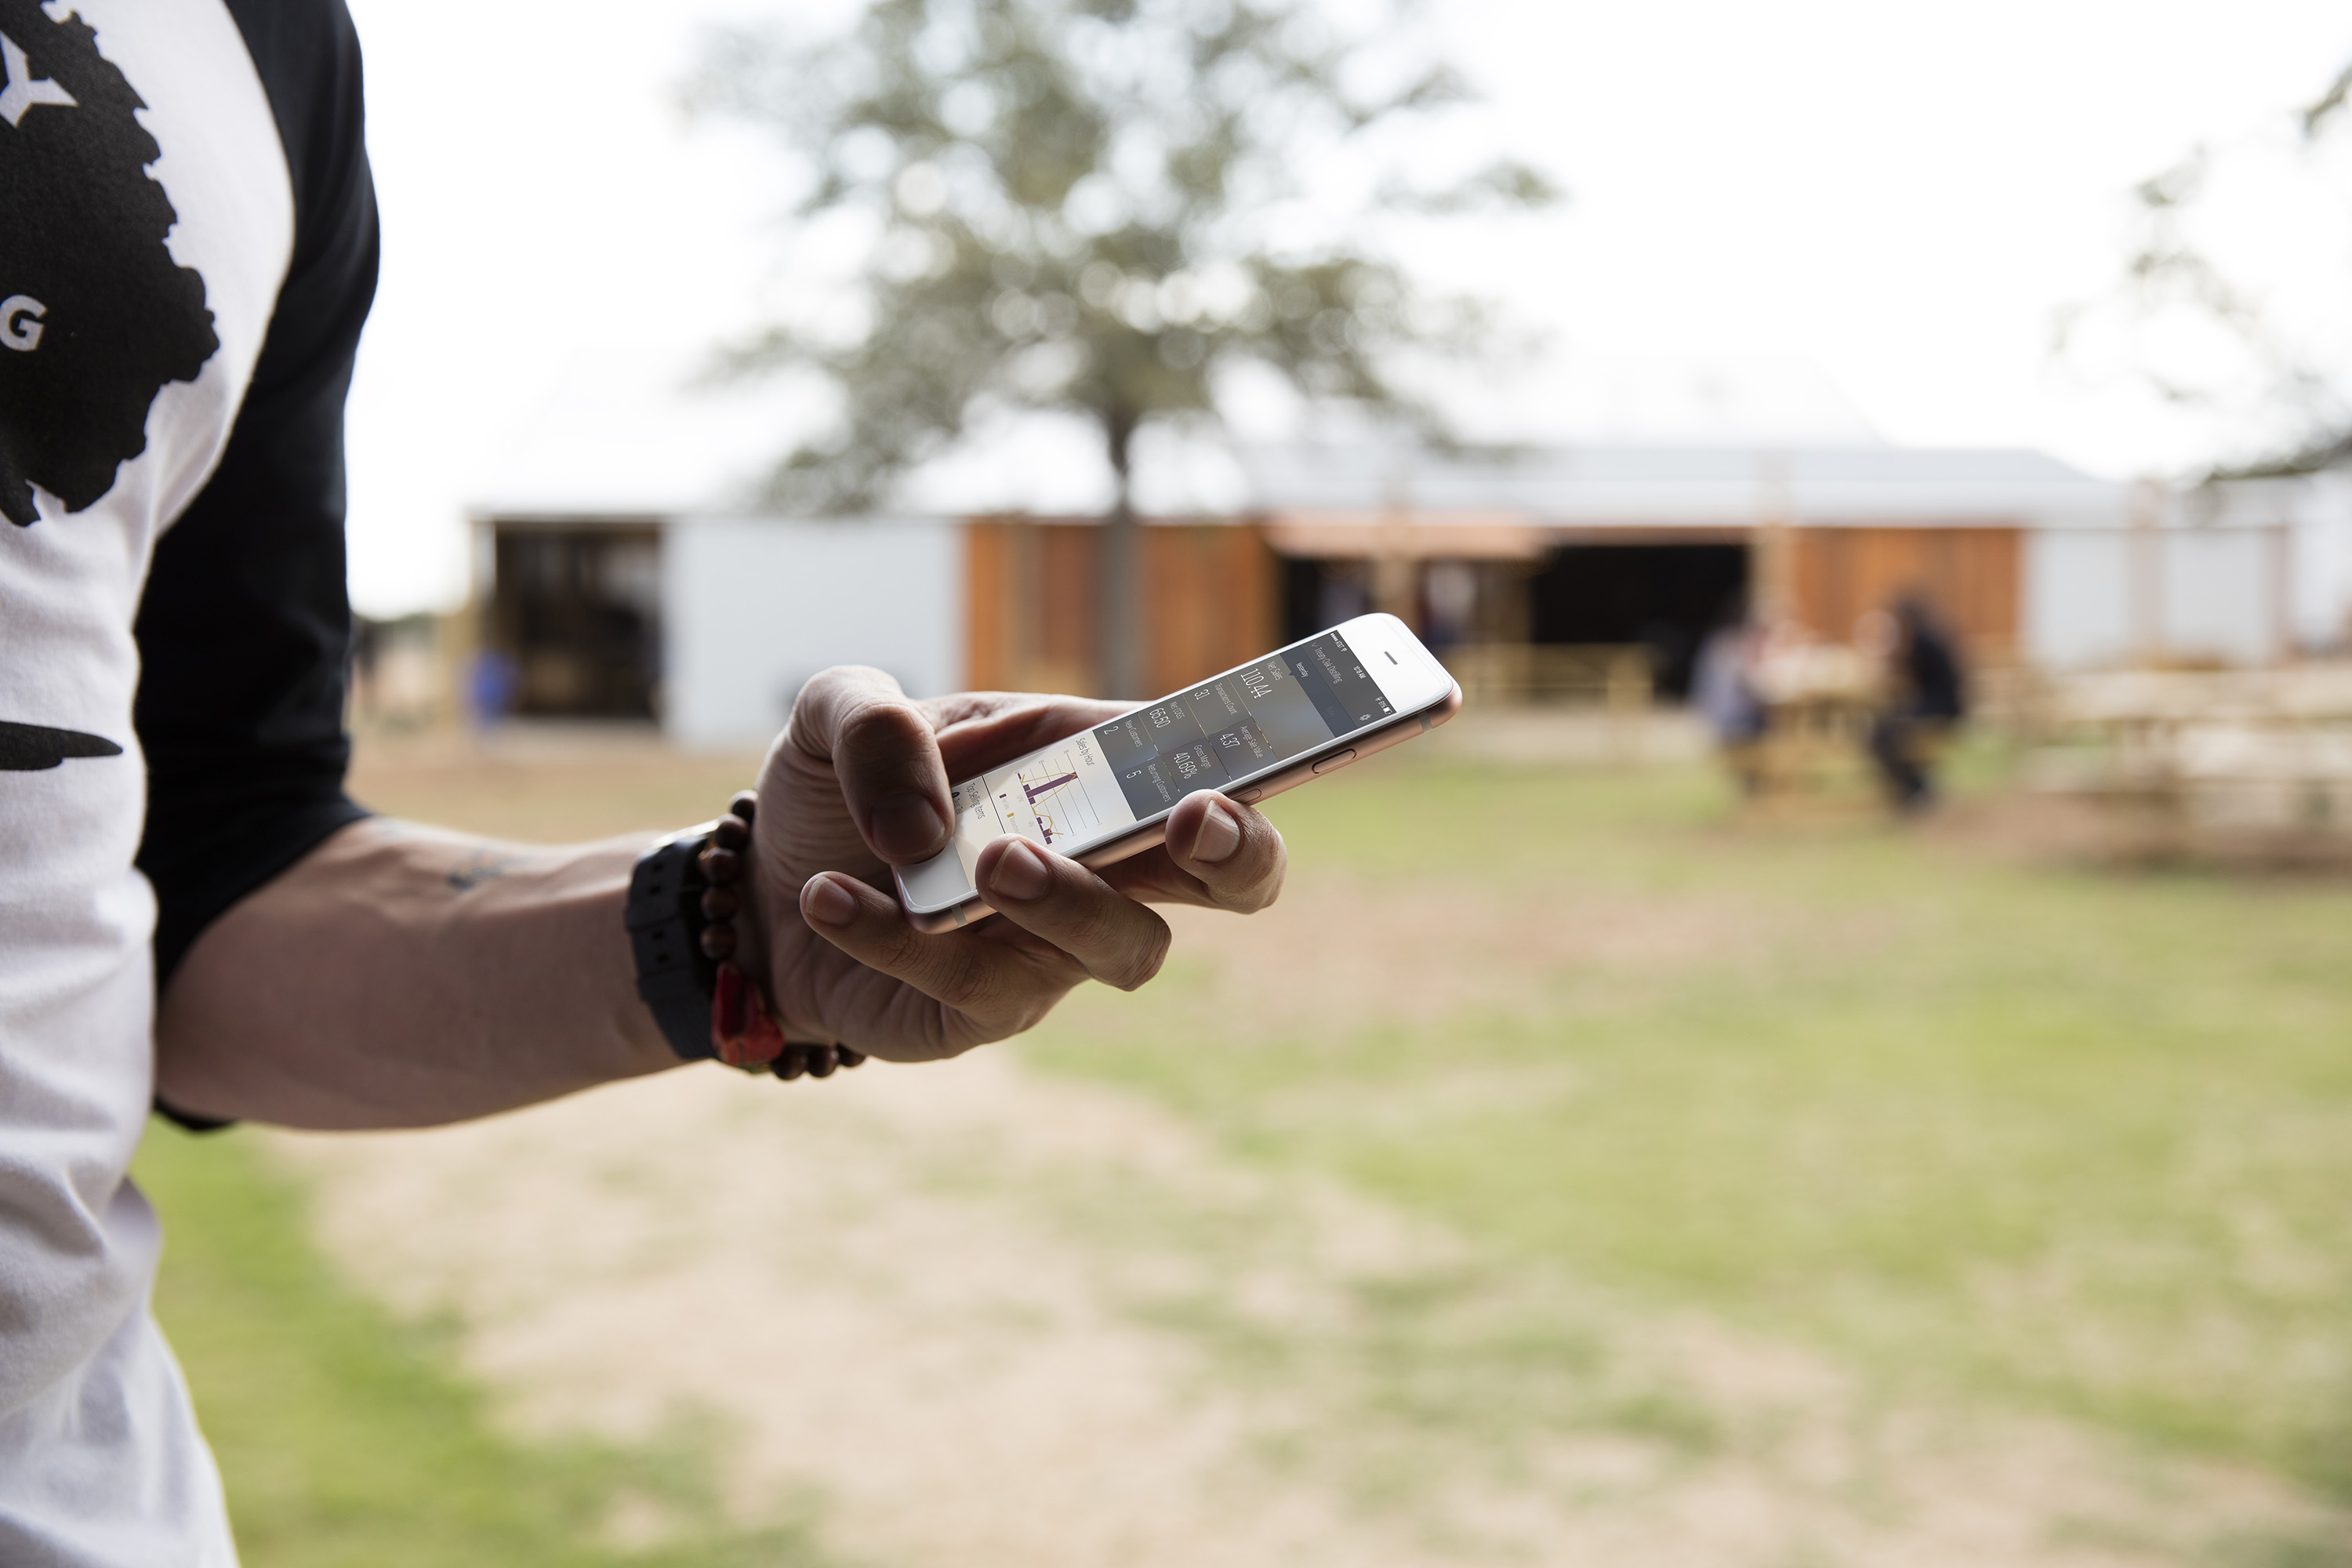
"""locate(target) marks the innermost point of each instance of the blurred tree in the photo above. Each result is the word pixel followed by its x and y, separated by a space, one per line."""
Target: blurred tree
pixel 2210 340
pixel 2327 437
pixel 1074 205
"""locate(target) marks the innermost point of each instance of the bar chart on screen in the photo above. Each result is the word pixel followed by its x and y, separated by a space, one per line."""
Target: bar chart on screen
pixel 1046 799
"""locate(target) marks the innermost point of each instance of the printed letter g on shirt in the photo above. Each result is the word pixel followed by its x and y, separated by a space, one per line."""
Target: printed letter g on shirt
pixel 20 323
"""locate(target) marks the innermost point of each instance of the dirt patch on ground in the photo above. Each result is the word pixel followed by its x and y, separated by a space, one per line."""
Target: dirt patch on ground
pixel 1355 951
pixel 991 1318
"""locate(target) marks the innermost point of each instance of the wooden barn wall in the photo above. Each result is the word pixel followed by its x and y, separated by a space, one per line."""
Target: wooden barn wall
pixel 1209 594
pixel 1213 593
pixel 1969 575
pixel 1030 610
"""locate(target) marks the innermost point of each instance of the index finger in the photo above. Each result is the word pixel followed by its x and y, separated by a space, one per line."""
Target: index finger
pixel 978 730
pixel 885 755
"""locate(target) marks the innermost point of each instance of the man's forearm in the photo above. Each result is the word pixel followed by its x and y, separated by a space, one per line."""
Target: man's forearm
pixel 405 977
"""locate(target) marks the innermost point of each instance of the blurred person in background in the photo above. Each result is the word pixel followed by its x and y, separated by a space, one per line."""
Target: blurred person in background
pixel 1449 592
pixel 1927 698
pixel 492 680
pixel 1723 689
pixel 192 913
pixel 1346 592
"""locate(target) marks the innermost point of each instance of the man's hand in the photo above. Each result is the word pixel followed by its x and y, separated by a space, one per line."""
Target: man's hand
pixel 858 783
pixel 403 976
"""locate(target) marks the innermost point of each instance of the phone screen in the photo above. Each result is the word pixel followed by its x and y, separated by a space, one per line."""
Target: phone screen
pixel 1076 793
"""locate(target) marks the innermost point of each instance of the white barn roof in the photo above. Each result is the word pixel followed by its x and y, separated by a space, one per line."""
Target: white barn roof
pixel 1681 487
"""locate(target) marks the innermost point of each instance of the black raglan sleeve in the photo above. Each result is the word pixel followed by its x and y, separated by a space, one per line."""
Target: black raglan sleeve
pixel 244 630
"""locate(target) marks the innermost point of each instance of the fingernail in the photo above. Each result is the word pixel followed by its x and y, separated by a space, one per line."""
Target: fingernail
pixel 1220 834
pixel 905 823
pixel 827 903
pixel 1020 872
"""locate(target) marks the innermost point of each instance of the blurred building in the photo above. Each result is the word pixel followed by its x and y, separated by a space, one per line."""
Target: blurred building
pixel 709 621
pixel 1652 546
pixel 1533 568
pixel 401 673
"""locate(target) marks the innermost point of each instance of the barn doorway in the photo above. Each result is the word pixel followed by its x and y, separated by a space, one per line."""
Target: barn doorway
pixel 577 613
pixel 1664 597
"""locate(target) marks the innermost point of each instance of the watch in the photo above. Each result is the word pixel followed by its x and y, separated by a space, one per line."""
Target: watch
pixel 664 914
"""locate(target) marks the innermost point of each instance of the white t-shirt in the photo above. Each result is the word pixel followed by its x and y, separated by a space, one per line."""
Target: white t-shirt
pixel 149 184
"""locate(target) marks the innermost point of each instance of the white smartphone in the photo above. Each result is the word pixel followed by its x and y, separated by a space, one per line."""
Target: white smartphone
pixel 1252 732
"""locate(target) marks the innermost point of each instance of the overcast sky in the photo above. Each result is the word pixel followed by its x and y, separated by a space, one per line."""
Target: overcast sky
pixel 1897 196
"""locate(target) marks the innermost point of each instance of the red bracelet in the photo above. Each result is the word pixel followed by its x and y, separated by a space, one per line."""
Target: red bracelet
pixel 743 1032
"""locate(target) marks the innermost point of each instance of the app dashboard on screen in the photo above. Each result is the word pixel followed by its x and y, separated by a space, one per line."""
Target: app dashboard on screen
pixel 1082 790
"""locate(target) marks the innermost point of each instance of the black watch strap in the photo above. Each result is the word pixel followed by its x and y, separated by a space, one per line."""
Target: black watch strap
pixel 665 920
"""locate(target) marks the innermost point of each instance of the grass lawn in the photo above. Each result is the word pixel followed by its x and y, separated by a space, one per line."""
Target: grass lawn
pixel 2064 1139
pixel 2078 1139
pixel 347 1440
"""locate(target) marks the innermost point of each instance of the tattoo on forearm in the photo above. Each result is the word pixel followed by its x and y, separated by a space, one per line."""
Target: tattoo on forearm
pixel 478 866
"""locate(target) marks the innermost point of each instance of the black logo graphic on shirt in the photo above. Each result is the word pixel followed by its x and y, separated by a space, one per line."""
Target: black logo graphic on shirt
pixel 30 748
pixel 95 316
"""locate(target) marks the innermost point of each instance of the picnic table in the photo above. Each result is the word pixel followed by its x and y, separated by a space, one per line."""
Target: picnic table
pixel 1820 699
pixel 2259 750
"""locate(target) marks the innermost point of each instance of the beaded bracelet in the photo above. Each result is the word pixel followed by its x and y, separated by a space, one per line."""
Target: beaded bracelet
pixel 742 1034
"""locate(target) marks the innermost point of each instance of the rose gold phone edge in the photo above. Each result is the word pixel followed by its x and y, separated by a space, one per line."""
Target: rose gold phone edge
pixel 1152 835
